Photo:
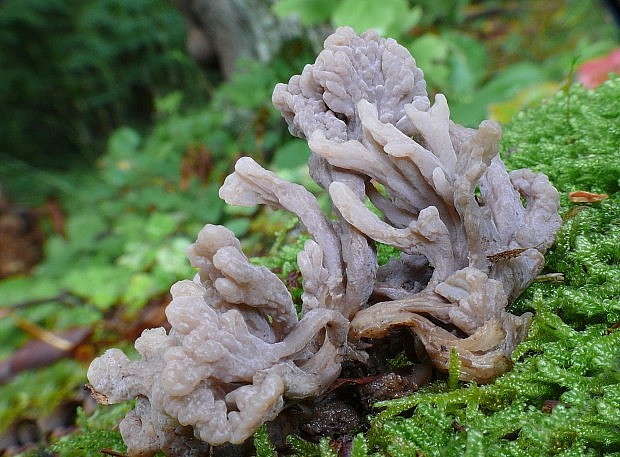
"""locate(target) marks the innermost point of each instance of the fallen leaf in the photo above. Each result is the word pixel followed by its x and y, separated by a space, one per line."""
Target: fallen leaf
pixel 38 353
pixel 100 398
pixel 582 196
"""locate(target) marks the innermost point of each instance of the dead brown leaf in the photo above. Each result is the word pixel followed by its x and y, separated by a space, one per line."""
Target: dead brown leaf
pixel 582 196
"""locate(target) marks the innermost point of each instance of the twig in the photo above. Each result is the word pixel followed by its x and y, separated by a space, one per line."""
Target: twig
pixel 65 297
pixel 112 452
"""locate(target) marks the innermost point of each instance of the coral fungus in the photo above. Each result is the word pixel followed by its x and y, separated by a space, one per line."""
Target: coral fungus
pixel 471 236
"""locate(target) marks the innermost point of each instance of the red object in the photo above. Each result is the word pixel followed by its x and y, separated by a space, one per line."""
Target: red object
pixel 595 72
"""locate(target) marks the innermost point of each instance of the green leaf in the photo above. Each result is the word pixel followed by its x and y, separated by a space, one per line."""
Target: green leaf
pixel 169 104
pixel 141 287
pixel 123 143
pixel 431 55
pixel 208 207
pixel 60 255
pixel 159 225
pixel 468 61
pixel 503 112
pixel 129 226
pixel 310 12
pixel 66 317
pixel 120 159
pixel 291 154
pixel 11 338
pixel 404 21
pixel 391 18
pixel 238 225
pixel 17 290
pixel 138 255
pixel 36 393
pixel 84 229
pixel 504 86
pixel 101 285
pixel 172 258
pixel 510 81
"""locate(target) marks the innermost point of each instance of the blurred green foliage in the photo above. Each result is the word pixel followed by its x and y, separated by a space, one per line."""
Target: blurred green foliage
pixel 75 70
pixel 130 222
pixel 389 18
pixel 38 391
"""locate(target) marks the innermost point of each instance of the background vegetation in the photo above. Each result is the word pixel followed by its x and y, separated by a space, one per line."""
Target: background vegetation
pixel 116 142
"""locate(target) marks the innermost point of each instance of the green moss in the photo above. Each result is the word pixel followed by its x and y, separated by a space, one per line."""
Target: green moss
pixel 302 447
pixel 454 369
pixel 282 258
pixel 89 444
pixel 262 443
pixel 96 432
pixel 35 394
pixel 587 253
pixel 563 395
pixel 573 138
pixel 385 253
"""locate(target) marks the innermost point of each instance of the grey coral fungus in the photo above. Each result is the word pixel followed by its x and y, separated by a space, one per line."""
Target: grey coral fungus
pixel 237 350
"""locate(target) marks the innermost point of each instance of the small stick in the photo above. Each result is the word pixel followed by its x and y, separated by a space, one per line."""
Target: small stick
pixel 112 452
pixel 505 255
pixel 550 277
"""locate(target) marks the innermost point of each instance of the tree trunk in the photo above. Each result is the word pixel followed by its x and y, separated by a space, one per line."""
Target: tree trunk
pixel 220 32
